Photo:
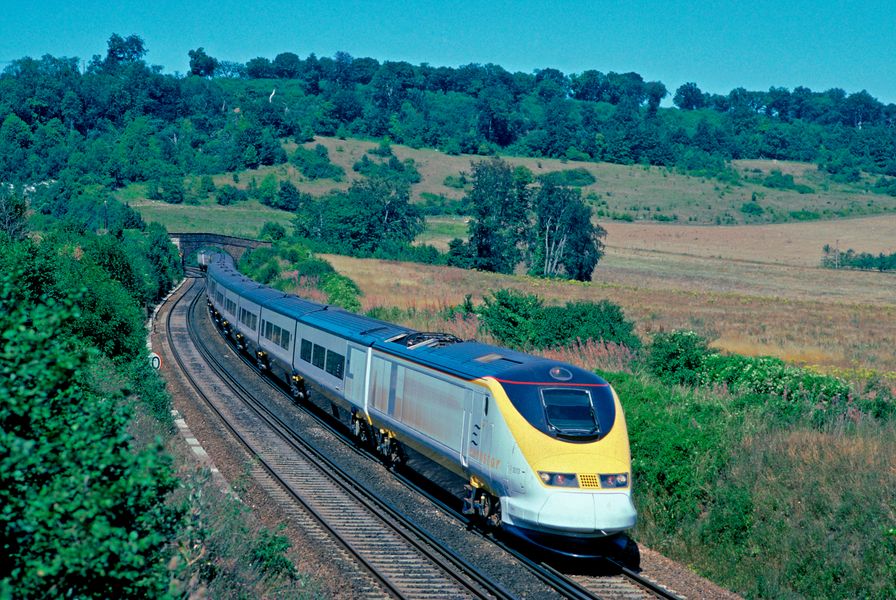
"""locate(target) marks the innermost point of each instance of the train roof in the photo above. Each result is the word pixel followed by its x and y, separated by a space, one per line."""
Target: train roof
pixel 473 360
pixel 466 359
pixel 366 330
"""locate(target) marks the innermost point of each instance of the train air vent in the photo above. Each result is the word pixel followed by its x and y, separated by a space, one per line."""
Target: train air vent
pixel 424 339
pixel 589 480
pixel 487 358
pixel 494 357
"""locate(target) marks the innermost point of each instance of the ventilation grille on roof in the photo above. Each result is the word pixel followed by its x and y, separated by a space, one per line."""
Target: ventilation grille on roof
pixel 426 339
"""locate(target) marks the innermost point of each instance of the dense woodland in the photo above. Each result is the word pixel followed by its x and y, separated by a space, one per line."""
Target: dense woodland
pixel 119 119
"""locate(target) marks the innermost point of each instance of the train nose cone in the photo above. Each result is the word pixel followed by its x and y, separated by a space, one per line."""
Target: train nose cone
pixel 568 511
pixel 614 512
pixel 604 513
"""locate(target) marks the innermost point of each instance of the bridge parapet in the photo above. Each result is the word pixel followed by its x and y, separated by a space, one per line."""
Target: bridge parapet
pixel 188 243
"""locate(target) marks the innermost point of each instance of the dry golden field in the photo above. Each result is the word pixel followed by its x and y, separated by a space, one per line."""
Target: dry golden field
pixel 753 292
pixel 787 243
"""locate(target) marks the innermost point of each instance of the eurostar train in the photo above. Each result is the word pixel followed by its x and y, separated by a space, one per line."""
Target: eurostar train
pixel 542 445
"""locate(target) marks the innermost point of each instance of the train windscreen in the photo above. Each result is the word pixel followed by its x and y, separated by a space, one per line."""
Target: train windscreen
pixel 569 412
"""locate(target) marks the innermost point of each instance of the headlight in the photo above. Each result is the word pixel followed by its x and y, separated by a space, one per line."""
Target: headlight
pixel 616 480
pixel 559 479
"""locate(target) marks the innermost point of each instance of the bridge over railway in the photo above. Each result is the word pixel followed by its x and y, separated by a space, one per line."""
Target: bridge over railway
pixel 189 243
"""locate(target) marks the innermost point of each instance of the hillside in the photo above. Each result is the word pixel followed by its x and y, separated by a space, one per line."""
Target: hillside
pixel 644 192
pixel 619 193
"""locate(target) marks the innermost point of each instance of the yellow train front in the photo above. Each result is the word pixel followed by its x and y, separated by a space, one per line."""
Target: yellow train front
pixel 557 456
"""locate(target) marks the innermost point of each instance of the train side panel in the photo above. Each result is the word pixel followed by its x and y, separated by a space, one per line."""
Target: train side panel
pixel 321 356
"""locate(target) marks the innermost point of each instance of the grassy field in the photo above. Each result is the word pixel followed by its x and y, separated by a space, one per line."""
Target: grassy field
pixel 651 193
pixel 242 220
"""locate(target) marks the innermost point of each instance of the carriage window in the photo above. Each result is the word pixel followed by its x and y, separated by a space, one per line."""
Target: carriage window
pixel 335 364
pixel 248 319
pixel 305 353
pixel 318 356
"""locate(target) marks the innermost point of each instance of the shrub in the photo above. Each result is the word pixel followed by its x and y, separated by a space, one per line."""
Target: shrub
pixel 341 291
pixel 677 357
pixel 456 181
pixel 751 208
pixel 579 177
pixel 268 554
pixel 772 376
pixel 782 181
pixel 522 321
pixel 393 169
pixel 563 325
pixel 227 194
pixel 511 317
pixel 436 204
pixel 272 231
pixel 315 164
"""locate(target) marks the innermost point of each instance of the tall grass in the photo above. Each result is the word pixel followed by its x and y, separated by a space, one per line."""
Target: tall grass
pixel 770 510
pixel 594 355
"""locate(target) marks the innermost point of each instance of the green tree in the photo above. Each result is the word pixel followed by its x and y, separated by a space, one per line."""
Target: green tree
pixel 372 213
pixel 566 242
pixel 689 97
pixel 288 197
pixel 499 200
pixel 13 214
pixel 272 231
pixel 201 64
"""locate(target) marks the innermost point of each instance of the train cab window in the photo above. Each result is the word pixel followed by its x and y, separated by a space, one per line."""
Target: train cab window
pixel 569 412
pixel 319 356
pixel 335 364
pixel 305 352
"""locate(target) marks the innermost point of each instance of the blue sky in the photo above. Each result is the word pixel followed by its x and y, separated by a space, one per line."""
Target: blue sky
pixel 719 45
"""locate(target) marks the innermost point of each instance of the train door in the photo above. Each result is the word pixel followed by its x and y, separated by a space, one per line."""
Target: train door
pixel 478 445
pixel 356 376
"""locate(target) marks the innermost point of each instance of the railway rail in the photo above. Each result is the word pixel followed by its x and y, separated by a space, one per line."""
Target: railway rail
pixel 397 557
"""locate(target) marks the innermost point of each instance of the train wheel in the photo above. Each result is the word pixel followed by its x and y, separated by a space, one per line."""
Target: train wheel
pixel 396 456
pixel 489 509
pixel 359 429
pixel 296 390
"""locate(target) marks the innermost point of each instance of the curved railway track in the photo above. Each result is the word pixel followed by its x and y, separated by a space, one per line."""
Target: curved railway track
pixel 392 555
